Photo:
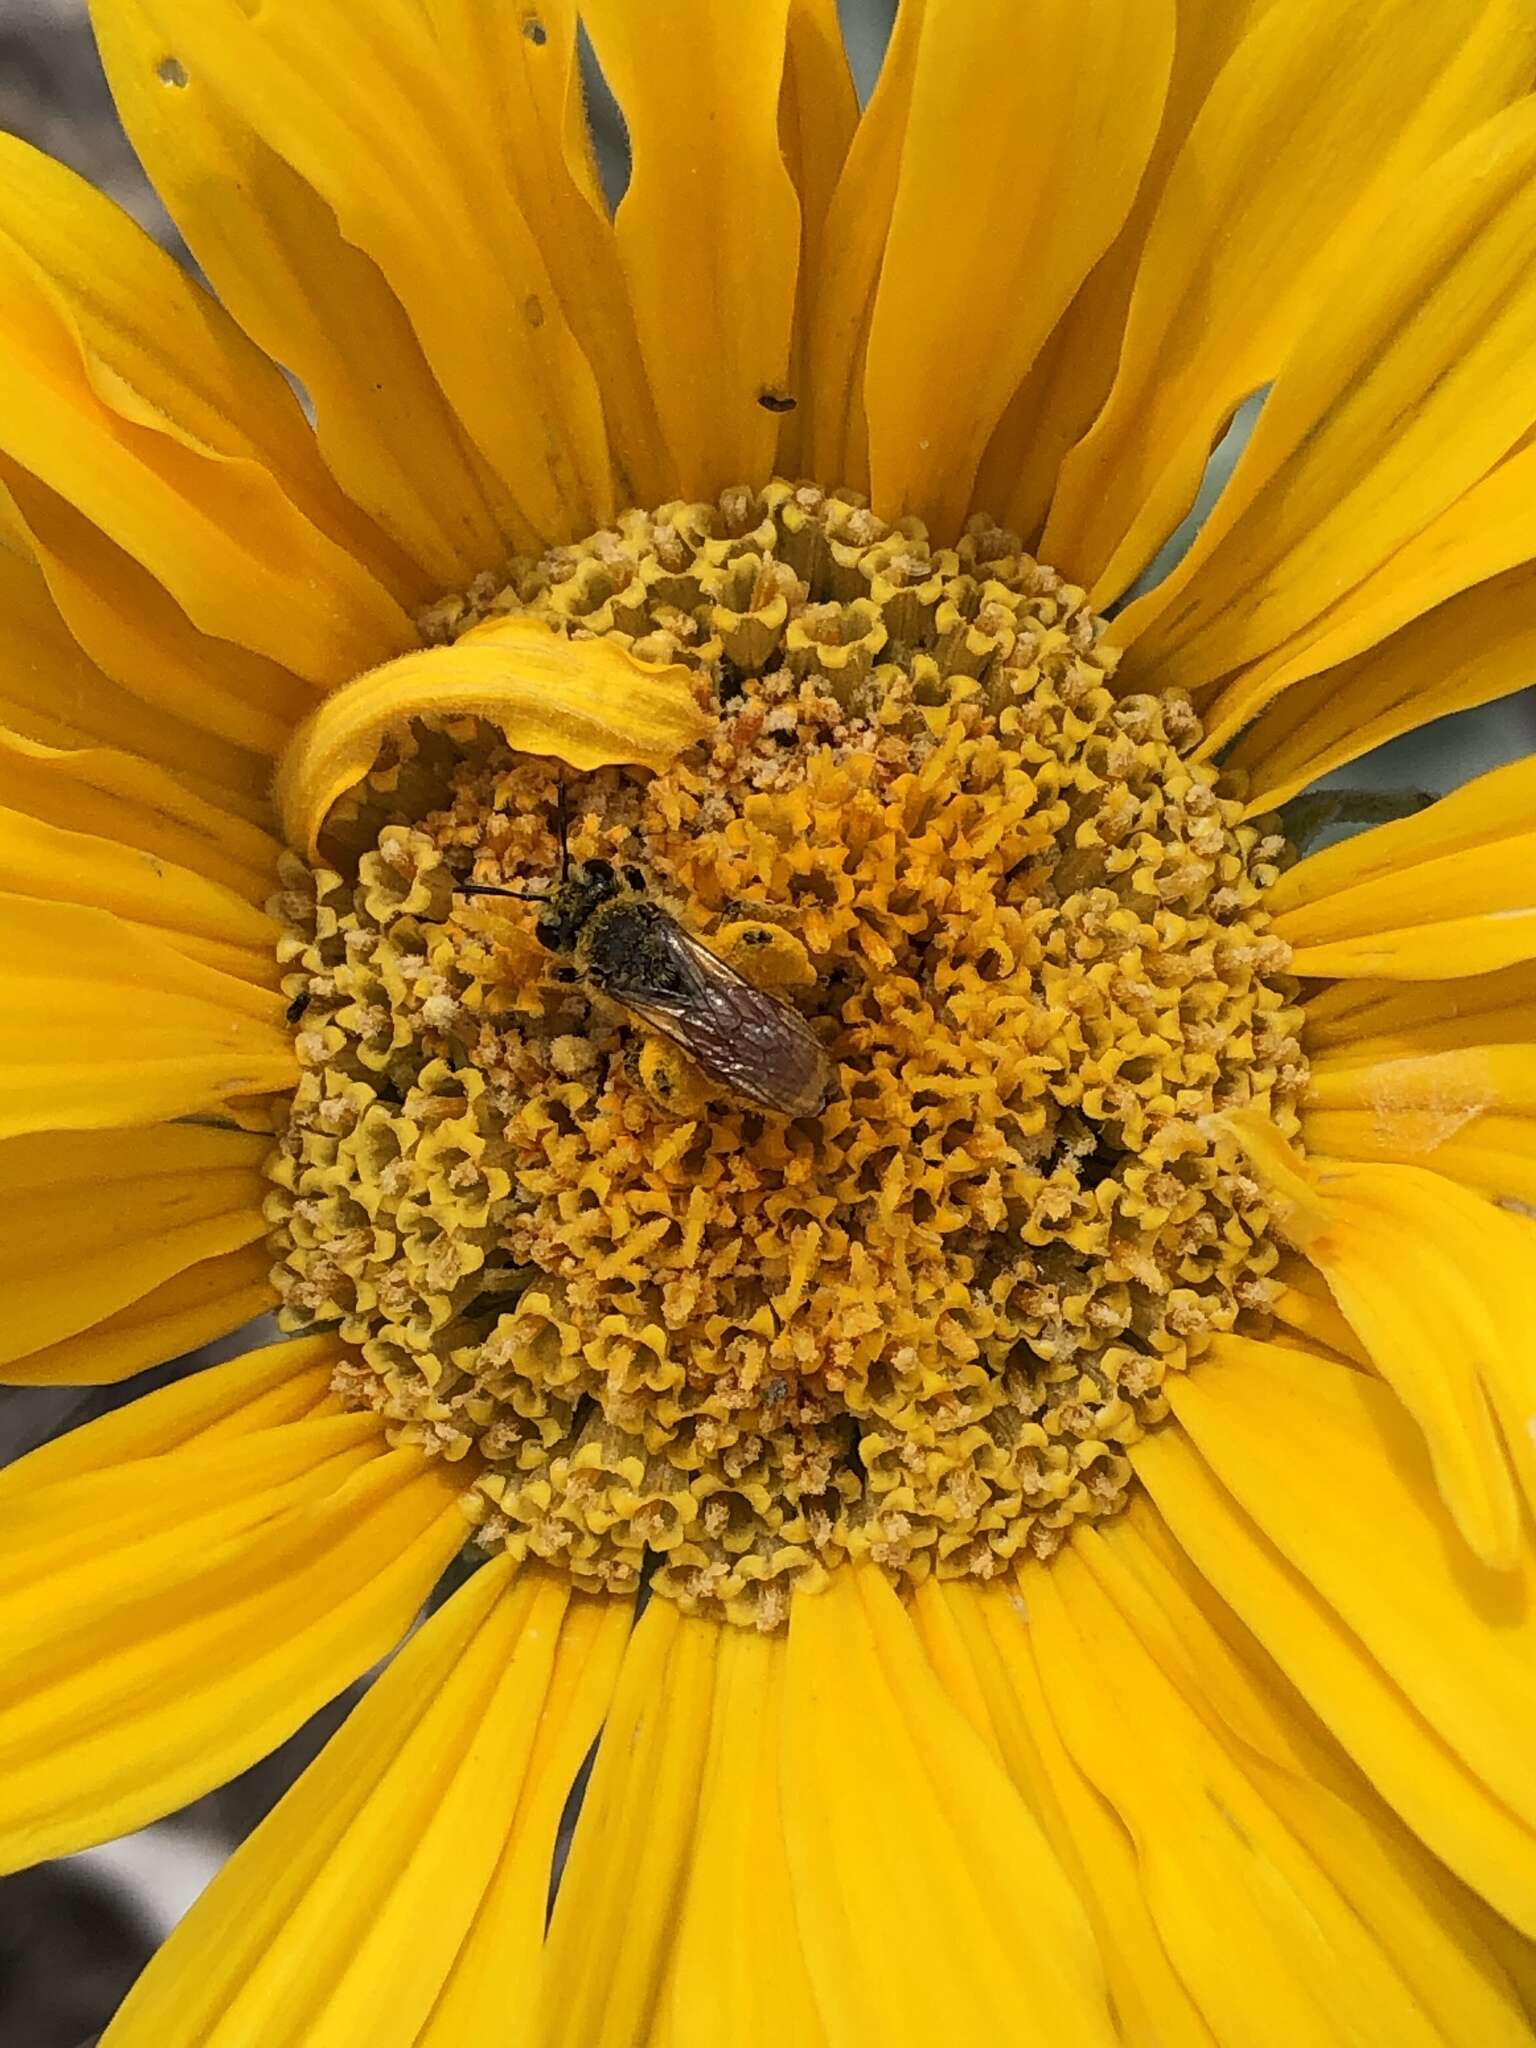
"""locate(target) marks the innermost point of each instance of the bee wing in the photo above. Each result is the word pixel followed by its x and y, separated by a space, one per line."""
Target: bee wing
pixel 754 1044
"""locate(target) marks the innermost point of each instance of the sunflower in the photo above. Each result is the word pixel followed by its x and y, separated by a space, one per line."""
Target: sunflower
pixel 1035 1544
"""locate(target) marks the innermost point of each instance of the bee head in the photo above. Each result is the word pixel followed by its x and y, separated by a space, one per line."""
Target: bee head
pixel 572 902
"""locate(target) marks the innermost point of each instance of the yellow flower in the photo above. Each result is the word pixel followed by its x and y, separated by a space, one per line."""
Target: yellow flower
pixel 1084 1469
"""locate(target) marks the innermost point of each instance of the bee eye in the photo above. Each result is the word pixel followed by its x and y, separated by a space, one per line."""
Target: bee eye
pixel 547 932
pixel 599 870
pixel 635 878
pixel 564 974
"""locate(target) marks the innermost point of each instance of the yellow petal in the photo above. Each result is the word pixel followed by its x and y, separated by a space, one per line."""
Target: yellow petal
pixel 183 1313
pixel 1304 1305
pixel 629 1860
pixel 210 1497
pixel 1071 376
pixel 1353 1021
pixel 1332 1469
pixel 1515 1954
pixel 842 292
pixel 1468 651
pixel 1419 1771
pixel 586 702
pixel 526 92
pixel 818 114
pixel 1489 807
pixel 1210 1825
pixel 1496 1155
pixel 121 797
pixel 1467 1313
pixel 259 1389
pixel 986 1662
pixel 123 1705
pixel 718 1989
pixel 1331 1010
pixel 993 238
pixel 52 692
pixel 353 1904
pixel 1437 1347
pixel 1488 530
pixel 155 344
pixel 91 1221
pixel 138 634
pixel 496 1967
pixel 178 906
pixel 700 1783
pixel 931 1906
pixel 1418 1102
pixel 1316 125
pixel 699 89
pixel 275 254
pixel 137 400
pixel 1427 1275
pixel 1428 1074
pixel 1245 1713
pixel 1407 387
pixel 1290 1187
pixel 345 108
pixel 1469 913
pixel 105 1026
pixel 1492 807
pixel 1449 893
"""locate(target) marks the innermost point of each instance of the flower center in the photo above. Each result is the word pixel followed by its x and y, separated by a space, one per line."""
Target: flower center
pixel 581 1241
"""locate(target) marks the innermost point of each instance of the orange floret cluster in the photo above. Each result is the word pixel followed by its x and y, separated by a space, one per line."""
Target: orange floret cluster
pixel 664 1330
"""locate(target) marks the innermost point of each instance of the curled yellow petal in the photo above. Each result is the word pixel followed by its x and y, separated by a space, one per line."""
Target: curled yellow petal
pixel 1288 1186
pixel 586 702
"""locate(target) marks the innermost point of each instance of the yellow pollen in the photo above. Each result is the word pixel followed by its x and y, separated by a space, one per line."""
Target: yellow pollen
pixel 664 1329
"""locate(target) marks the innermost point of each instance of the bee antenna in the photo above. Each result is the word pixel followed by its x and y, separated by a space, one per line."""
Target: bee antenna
pixel 563 827
pixel 491 889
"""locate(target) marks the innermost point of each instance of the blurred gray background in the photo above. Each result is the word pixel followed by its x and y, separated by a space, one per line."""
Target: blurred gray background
pixel 74 1934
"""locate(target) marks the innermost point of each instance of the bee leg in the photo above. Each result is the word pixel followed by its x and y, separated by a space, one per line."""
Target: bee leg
pixel 668 1076
pixel 735 907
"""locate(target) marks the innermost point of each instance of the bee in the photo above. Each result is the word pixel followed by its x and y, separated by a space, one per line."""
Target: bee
pixel 622 943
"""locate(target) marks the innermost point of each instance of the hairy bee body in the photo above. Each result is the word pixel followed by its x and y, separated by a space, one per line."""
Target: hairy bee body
pixel 755 1045
pixel 630 945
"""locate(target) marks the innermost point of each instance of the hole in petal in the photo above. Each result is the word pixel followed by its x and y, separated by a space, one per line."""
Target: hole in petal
pixel 866 26
pixel 171 71
pixel 605 124
pixel 1219 466
pixel 565 1834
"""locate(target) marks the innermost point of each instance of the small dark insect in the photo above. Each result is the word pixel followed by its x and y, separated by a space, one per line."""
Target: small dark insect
pixel 298 1006
pixel 776 401
pixel 752 1043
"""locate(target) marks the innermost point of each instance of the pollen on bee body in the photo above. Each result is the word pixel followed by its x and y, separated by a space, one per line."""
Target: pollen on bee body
pixel 1016 917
